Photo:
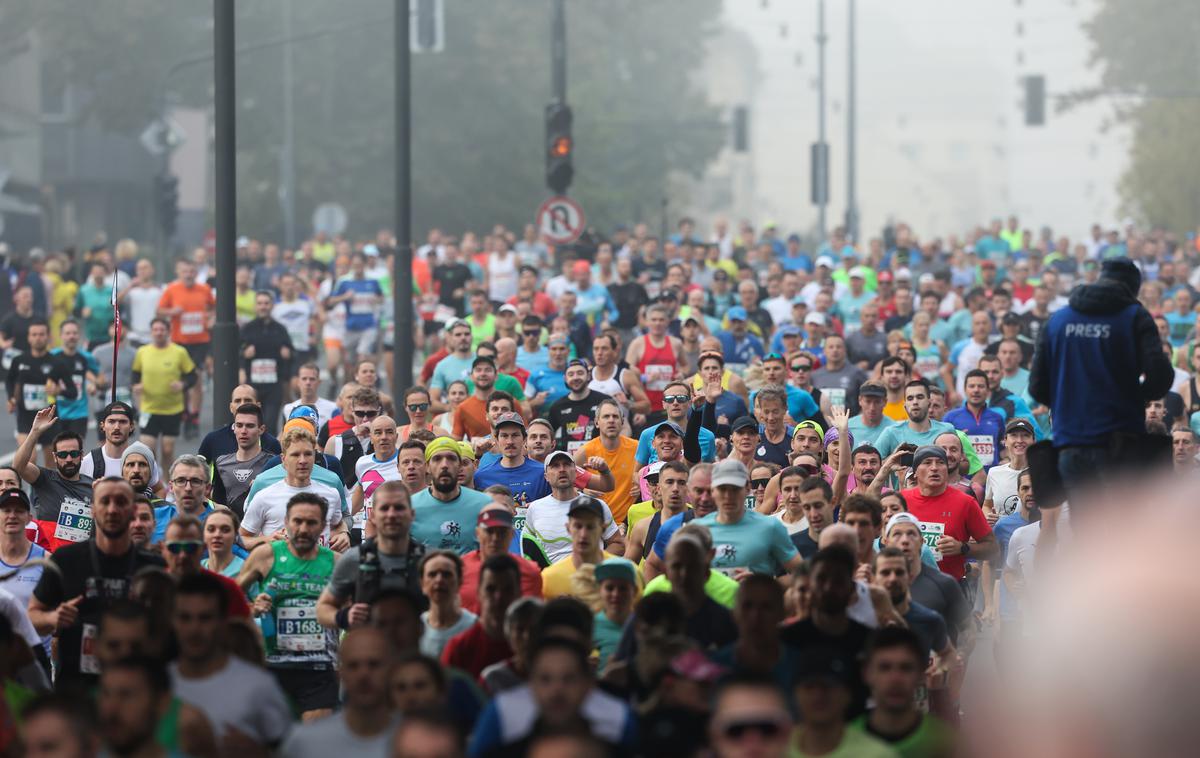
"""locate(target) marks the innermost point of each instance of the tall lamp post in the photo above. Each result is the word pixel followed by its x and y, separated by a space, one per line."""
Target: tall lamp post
pixel 402 276
pixel 225 332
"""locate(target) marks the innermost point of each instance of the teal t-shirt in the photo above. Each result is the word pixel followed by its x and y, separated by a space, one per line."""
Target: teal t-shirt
pixel 756 542
pixel 449 369
pixel 99 299
pixel 447 525
pixel 866 435
pixel 894 436
pixel 605 636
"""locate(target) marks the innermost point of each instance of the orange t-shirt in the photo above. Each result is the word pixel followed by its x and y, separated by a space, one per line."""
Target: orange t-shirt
pixel 191 326
pixel 471 420
pixel 623 463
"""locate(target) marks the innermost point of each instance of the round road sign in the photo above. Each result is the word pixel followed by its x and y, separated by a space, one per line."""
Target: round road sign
pixel 560 220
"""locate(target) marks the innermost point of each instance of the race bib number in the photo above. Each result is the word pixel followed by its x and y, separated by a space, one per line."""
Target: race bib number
pixel 360 519
pixel 33 396
pixel 7 359
pixel 88 664
pixel 297 629
pixel 362 304
pixel 124 395
pixel 444 314
pixel 931 532
pixel 837 396
pixel 74 521
pixel 985 448
pixel 263 371
pixel 658 376
pixel 519 519
pixel 191 323
pixel 927 367
pixel 573 445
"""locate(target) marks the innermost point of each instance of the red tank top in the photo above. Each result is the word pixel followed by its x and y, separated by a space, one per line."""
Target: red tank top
pixel 657 367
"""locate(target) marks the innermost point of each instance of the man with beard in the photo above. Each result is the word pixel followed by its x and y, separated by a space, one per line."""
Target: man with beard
pixel 90 576
pixel 373 470
pixel 183 544
pixel 291 573
pixel 346 601
pixel 366 721
pixel 920 429
pixel 866 463
pixel 891 573
pixel 133 698
pixel 136 464
pixel 444 512
pixel 34 376
pixel 470 417
pixel 61 496
pixel 952 517
pixel 190 488
pixel 73 413
pixel 574 415
pixel 234 473
pixel 546 539
pixel 116 430
pixel 930 586
pixel 266 509
pixel 266 355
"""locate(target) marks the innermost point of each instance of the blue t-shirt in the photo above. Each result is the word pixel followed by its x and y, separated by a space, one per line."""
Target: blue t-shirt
pixel 163 515
pixel 360 309
pixel 646 454
pixel 531 362
pixel 527 482
pixel 667 530
pixel 447 525
pixel 549 381
pixel 756 542
pixel 901 432
pixel 450 369
pixel 867 435
pixel 986 433
pixel 740 353
pixel 70 410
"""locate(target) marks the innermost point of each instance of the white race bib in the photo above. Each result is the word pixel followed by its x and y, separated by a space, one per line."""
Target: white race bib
pixel 9 354
pixel 78 379
pixel 191 323
pixel 837 396
pixel 33 396
pixel 297 629
pixel 263 371
pixel 519 519
pixel 931 532
pixel 927 366
pixel 362 304
pixel 87 650
pixel 573 445
pixel 74 521
pixel 658 376
pixel 985 448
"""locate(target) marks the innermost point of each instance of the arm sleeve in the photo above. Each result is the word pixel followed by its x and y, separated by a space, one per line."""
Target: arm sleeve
pixel 691 436
pixel 10 383
pixel 1154 362
pixel 1039 369
pixel 189 379
pixel 49 589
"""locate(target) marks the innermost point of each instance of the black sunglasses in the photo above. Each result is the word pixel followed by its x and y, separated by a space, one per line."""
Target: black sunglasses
pixel 418 407
pixel 801 367
pixel 366 414
pixel 676 398
pixel 756 483
pixel 62 455
pixel 184 546
pixel 765 728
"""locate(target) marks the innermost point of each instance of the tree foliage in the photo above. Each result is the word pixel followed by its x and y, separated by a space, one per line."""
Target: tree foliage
pixel 1149 47
pixel 477 106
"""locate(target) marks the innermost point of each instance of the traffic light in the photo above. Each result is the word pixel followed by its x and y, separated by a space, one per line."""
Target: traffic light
pixel 166 194
pixel 1035 100
pixel 559 148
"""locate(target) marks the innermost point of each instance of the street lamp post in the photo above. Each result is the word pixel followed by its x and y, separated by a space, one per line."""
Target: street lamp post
pixel 225 332
pixel 402 276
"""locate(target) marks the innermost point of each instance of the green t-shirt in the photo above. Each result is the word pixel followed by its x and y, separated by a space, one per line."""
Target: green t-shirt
pixel 605 636
pixel 294 636
pixel 99 300
pixel 855 744
pixel 722 589
pixel 504 383
pixel 931 737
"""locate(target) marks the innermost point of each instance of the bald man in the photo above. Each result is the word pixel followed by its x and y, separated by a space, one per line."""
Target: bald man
pixel 223 441
pixel 373 470
pixel 366 721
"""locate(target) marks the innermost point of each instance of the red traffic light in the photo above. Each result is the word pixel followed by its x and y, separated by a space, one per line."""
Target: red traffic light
pixel 560 147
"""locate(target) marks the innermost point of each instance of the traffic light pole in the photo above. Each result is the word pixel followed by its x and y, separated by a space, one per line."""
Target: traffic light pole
pixel 822 200
pixel 852 124
pixel 225 333
pixel 402 276
pixel 558 52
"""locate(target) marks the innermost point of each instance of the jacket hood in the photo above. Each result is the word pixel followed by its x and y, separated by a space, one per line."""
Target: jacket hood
pixel 1104 297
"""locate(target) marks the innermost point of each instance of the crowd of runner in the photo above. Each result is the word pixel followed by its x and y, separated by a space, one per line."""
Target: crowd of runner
pixel 682 496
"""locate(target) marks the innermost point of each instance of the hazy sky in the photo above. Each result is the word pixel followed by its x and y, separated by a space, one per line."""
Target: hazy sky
pixel 941 137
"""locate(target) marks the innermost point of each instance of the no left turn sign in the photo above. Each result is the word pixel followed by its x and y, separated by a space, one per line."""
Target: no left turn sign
pixel 560 220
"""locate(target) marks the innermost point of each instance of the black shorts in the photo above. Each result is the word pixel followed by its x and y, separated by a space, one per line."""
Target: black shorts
pixel 25 423
pixel 308 689
pixel 77 425
pixel 163 426
pixel 300 357
pixel 199 353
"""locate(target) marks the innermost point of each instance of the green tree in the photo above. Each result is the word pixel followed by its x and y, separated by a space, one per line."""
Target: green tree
pixel 477 107
pixel 1149 47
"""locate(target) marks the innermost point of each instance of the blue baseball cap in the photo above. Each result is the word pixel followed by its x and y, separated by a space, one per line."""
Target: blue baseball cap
pixel 736 313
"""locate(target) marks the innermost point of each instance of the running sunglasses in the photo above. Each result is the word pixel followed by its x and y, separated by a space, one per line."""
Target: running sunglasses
pixel 418 407
pixel 188 547
pixel 802 367
pixel 62 455
pixel 676 398
pixel 759 483
pixel 767 728
pixel 366 414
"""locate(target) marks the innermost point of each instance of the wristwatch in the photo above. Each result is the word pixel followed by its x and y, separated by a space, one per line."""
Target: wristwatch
pixel 965 549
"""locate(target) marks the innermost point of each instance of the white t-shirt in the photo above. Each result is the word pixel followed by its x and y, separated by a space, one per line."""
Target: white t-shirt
pixel 1002 489
pixel 331 736
pixel 13 609
pixel 433 641
pixel 296 317
pixel 546 520
pixel 143 306
pixel 796 526
pixel 335 318
pixel 240 695
pixel 326 409
pixel 267 512
pixel 371 473
pixel 112 466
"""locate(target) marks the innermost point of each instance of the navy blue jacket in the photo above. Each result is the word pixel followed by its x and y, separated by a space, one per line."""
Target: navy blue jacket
pixel 1090 363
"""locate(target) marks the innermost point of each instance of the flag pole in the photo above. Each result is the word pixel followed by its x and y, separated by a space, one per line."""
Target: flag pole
pixel 116 339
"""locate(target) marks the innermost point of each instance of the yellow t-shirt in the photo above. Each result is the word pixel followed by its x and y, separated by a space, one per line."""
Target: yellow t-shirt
pixel 637 512
pixel 160 367
pixel 623 463
pixel 895 411
pixel 698 382
pixel 556 578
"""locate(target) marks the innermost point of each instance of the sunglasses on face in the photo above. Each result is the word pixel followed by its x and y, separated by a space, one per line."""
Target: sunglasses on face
pixel 366 414
pixel 188 547
pixel 418 407
pixel 766 728
pixel 676 398
pixel 799 367
pixel 652 481
pixel 759 483
pixel 62 455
